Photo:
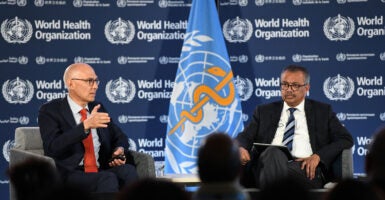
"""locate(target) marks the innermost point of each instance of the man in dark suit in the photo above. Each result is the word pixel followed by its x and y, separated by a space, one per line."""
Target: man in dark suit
pixel 79 135
pixel 317 137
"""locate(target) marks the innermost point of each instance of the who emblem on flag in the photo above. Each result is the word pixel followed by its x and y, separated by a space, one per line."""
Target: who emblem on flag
pixel 204 99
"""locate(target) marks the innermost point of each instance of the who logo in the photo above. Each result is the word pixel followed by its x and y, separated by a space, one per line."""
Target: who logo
pixel 237 30
pixel 120 90
pixel 16 30
pixel 338 88
pixel 119 31
pixel 18 91
pixel 339 28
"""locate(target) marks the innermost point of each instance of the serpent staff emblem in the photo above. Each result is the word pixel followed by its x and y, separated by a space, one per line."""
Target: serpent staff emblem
pixel 195 115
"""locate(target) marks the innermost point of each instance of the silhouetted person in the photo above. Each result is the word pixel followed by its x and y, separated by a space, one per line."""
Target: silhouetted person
pixel 219 168
pixel 351 189
pixel 70 192
pixel 32 179
pixel 150 189
pixel 375 162
pixel 286 188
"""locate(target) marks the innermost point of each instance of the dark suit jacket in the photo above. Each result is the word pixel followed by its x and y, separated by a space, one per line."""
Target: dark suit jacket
pixel 327 135
pixel 62 137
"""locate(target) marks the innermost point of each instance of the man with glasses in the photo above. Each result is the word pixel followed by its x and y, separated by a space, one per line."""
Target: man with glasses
pixel 88 148
pixel 310 130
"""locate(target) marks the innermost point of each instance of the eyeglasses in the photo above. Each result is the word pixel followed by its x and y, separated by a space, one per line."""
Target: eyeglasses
pixel 89 81
pixel 294 86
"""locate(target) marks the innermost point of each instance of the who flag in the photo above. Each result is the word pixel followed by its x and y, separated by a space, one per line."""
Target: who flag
pixel 204 99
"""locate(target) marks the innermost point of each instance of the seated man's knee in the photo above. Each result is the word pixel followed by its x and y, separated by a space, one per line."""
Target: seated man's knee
pixel 107 182
pixel 271 151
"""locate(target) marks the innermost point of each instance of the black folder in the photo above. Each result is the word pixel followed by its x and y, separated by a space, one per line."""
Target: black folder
pixel 260 147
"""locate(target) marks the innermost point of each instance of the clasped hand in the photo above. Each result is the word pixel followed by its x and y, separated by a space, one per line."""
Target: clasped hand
pixel 244 155
pixel 96 119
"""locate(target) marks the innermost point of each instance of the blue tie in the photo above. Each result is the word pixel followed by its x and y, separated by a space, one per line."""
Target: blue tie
pixel 289 130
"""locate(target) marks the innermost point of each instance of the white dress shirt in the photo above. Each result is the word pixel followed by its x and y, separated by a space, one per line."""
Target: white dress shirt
pixel 75 108
pixel 301 142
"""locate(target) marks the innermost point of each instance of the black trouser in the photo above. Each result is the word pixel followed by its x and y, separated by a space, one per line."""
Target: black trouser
pixel 272 165
pixel 110 180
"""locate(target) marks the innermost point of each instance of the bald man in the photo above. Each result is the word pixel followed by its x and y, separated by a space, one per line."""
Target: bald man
pixel 79 135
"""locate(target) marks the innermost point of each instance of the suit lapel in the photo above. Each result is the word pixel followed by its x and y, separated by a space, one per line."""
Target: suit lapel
pixel 67 113
pixel 310 118
pixel 275 115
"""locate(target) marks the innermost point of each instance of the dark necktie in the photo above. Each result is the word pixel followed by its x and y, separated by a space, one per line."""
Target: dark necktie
pixel 289 130
pixel 89 152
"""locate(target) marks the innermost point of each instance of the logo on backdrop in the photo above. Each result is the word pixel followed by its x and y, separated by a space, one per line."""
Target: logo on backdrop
pixel 16 30
pixel 6 147
pixel 241 58
pixel 162 3
pixel 309 58
pixel 263 2
pixel 382 116
pixel 237 30
pixel 77 3
pixel 17 91
pixel 382 56
pixel 244 88
pixel 120 90
pixel 89 3
pixel 341 116
pixel 39 3
pixel 341 57
pixel 119 31
pixel 164 60
pixel 20 3
pixel 338 28
pixel 132 144
pixel 338 88
pixel 234 2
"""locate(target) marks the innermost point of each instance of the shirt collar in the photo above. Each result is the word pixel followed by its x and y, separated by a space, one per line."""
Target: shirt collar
pixel 300 107
pixel 75 108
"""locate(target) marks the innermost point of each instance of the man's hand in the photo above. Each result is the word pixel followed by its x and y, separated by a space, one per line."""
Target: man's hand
pixel 310 164
pixel 244 155
pixel 96 119
pixel 117 162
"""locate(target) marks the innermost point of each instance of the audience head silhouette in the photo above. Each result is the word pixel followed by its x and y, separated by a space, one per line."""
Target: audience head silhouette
pixel 149 189
pixel 218 159
pixel 375 160
pixel 33 179
pixel 351 189
pixel 286 188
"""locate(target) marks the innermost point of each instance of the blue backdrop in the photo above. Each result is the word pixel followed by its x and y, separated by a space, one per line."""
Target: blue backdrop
pixel 134 47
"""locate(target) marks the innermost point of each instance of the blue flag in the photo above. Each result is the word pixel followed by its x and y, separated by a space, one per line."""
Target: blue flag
pixel 204 99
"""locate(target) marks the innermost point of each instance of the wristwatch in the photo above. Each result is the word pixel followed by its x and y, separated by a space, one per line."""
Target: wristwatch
pixel 87 131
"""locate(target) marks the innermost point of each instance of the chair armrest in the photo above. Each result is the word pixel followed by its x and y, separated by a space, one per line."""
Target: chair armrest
pixel 18 155
pixel 347 163
pixel 144 164
pixel 342 166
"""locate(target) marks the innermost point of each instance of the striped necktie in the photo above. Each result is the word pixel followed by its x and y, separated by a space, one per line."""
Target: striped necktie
pixel 289 130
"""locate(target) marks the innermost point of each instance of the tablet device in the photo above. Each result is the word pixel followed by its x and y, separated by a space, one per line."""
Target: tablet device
pixel 260 147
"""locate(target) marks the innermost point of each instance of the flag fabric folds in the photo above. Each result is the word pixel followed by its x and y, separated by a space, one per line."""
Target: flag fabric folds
pixel 204 99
